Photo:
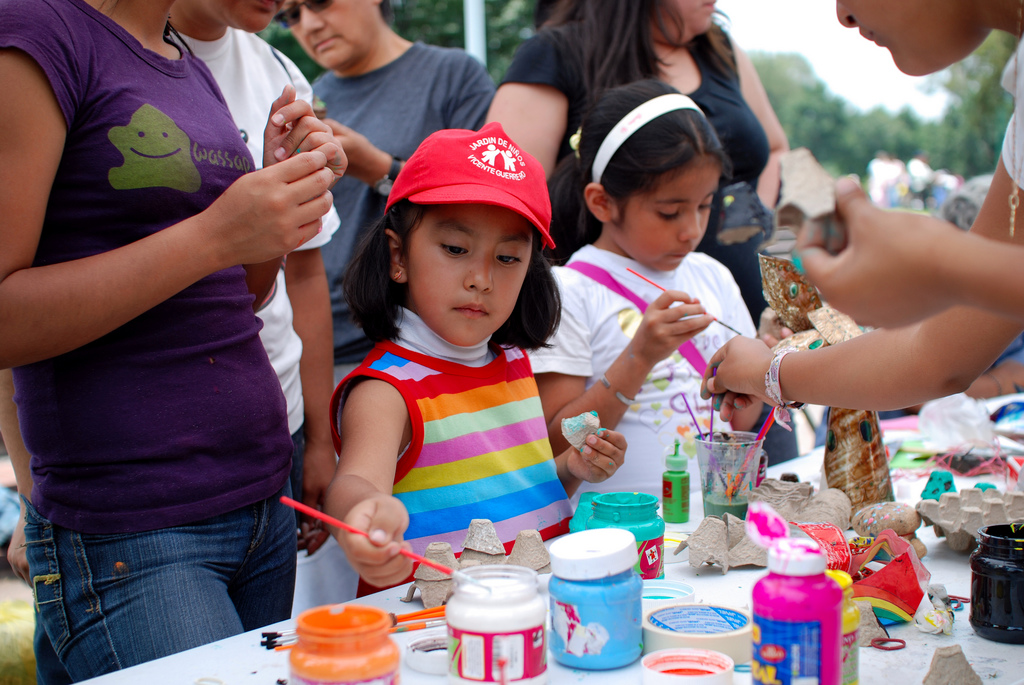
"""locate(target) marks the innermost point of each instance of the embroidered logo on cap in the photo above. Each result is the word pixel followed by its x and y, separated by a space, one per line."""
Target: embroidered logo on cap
pixel 497 156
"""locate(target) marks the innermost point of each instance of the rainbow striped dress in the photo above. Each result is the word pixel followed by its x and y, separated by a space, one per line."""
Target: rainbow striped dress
pixel 479 446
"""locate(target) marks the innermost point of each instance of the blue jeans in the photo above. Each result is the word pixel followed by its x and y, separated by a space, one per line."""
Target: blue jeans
pixel 295 478
pixel 107 602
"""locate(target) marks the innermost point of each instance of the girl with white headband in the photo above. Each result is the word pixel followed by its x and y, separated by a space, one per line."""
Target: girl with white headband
pixel 637 198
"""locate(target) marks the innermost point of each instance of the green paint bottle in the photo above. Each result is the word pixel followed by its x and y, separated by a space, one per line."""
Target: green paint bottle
pixel 675 487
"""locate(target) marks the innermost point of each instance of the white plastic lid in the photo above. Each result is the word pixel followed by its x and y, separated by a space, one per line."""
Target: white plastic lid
pixel 796 557
pixel 593 554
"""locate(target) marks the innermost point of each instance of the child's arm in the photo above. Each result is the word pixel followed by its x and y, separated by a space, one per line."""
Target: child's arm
pixel 602 456
pixel 374 428
pixel 883 369
pixel 661 332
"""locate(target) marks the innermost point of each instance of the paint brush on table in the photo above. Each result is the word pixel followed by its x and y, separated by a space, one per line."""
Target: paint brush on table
pixel 663 290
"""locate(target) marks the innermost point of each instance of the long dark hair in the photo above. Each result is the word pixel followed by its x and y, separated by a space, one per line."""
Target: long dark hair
pixel 616 42
pixel 376 301
pixel 665 145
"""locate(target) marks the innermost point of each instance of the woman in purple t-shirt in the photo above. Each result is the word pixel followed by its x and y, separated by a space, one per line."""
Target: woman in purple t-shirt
pixel 155 423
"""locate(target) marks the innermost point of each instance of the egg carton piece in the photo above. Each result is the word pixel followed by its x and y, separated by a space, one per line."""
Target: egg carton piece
pixel 576 429
pixel 958 516
pixel 808 191
pixel 722 542
pixel 529 551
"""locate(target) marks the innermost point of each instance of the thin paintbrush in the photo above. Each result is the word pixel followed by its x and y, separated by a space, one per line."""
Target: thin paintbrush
pixel 715 319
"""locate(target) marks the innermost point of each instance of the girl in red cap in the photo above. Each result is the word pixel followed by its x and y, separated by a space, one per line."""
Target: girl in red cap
pixel 442 424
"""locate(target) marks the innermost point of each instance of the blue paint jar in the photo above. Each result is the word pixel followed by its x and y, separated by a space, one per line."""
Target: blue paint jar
pixel 596 616
pixel 636 512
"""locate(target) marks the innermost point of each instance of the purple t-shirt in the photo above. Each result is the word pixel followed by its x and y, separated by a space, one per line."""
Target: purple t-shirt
pixel 177 415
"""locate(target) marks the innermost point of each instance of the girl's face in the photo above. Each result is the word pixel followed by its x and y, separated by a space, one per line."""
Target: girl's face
pixel 660 227
pixel 464 266
pixel 924 36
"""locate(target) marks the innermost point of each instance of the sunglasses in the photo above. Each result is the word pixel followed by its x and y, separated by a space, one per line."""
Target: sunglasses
pixel 293 15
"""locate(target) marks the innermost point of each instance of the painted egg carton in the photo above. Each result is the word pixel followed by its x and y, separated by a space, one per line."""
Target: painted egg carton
pixel 959 515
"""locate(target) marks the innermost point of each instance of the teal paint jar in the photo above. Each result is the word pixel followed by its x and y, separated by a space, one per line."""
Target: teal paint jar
pixel 636 512
pixel 596 608
pixel 584 510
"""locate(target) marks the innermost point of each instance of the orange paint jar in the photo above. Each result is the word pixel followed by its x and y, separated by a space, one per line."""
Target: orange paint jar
pixel 342 644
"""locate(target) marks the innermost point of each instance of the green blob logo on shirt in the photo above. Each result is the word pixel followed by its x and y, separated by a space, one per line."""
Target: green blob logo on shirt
pixel 156 154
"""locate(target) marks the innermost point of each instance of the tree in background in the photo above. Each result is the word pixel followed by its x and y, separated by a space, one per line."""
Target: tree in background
pixel 966 141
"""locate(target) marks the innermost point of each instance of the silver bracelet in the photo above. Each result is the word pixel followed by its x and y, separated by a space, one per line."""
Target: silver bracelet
pixel 618 395
pixel 771 380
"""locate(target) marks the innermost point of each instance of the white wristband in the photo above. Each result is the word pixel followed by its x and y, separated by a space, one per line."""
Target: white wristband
pixel 771 380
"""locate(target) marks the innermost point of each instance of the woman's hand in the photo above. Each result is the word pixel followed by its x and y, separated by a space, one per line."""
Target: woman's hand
pixel 735 375
pixel 16 556
pixel 665 327
pixel 887 273
pixel 293 128
pixel 377 558
pixel 601 457
pixel 269 212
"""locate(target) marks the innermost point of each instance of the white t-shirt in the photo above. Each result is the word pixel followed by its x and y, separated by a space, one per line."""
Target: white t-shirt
pixel 598 324
pixel 251 75
pixel 1013 83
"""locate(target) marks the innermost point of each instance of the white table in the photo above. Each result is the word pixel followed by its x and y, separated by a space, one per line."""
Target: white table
pixel 241 660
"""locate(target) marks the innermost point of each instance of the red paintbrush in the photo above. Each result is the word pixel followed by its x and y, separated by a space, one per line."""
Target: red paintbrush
pixel 310 511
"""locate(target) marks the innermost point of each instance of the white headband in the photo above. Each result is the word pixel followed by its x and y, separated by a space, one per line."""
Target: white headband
pixel 634 121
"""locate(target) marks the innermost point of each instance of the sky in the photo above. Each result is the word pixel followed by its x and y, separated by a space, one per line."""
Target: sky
pixel 852 67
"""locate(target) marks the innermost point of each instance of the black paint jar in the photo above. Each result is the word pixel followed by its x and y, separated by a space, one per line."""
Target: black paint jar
pixel 997 584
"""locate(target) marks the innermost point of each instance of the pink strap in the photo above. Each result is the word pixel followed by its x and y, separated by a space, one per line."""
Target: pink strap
pixel 687 349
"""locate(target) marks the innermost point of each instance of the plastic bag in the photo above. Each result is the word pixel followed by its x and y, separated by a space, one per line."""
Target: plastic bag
pixel 956 421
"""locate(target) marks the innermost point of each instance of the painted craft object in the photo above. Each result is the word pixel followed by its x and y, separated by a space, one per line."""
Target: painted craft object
pixel 855 458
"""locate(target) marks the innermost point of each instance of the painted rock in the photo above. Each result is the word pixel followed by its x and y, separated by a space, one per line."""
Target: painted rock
pixel 938 483
pixel 901 518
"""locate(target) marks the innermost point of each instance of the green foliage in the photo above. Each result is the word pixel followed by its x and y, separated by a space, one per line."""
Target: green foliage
pixel 440 22
pixel 437 22
pixel 966 141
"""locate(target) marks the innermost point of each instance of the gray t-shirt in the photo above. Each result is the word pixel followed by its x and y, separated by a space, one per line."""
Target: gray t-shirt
pixel 425 90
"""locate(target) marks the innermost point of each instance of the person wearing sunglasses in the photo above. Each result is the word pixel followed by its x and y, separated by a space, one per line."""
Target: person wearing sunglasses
pixel 384 96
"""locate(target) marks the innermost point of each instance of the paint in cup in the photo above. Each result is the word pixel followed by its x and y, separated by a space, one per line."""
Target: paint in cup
pixel 728 471
pixel 343 643
pixel 496 628
pixel 797 617
pixel 636 512
pixel 595 600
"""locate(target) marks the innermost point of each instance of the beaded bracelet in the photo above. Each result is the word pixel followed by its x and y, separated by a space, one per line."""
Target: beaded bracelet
pixel 771 380
pixel 618 395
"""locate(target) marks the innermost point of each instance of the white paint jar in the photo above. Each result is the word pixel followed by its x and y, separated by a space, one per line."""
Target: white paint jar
pixel 496 622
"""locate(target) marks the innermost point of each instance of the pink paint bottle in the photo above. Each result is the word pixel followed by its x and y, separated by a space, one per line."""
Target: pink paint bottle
pixel 797 618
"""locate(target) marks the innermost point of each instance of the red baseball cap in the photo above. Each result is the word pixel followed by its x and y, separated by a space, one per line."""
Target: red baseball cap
pixel 459 166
